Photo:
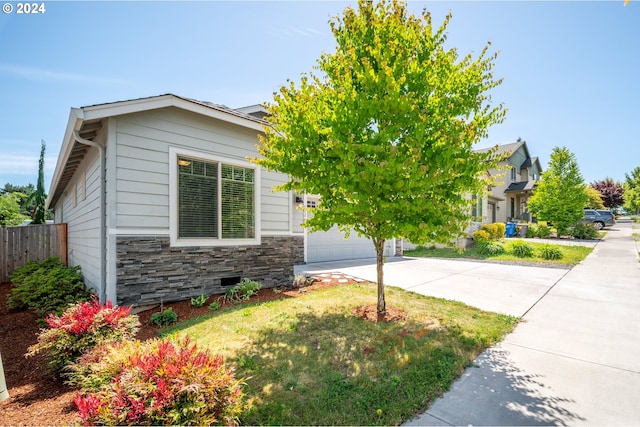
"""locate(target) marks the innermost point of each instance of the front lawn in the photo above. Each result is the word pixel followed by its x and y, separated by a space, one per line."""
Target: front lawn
pixel 311 361
pixel 571 255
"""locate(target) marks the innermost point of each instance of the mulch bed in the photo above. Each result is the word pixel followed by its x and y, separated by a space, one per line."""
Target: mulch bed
pixel 38 398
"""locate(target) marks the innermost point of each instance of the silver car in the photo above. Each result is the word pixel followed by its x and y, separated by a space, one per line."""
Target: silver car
pixel 599 218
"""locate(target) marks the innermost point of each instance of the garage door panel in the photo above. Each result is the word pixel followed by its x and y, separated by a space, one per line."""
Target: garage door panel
pixel 331 246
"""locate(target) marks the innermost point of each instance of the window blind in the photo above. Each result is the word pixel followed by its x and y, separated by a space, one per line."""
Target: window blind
pixel 238 213
pixel 197 198
pixel 204 188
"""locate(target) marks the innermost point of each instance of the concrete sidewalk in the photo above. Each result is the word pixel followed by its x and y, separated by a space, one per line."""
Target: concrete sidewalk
pixel 572 361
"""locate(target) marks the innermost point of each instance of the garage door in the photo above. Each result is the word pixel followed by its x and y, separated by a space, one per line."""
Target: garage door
pixel 332 246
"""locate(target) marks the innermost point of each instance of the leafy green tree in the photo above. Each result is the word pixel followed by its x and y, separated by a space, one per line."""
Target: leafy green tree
pixel 560 196
pixel 632 191
pixel 611 191
pixel 10 209
pixel 26 190
pixel 384 131
pixel 633 180
pixel 39 197
pixel 632 199
pixel 594 199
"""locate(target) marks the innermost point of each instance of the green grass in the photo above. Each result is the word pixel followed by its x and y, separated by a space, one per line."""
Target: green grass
pixel 310 361
pixel 571 255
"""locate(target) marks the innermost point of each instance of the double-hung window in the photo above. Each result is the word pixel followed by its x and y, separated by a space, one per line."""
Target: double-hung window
pixel 215 200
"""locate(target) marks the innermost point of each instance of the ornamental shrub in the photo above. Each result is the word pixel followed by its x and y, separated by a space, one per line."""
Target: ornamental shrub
pixel 480 236
pixel 199 301
pixel 242 291
pixel 500 230
pixel 99 365
pixel 532 230
pixel 81 327
pixel 543 231
pixel 539 230
pixel 496 230
pixel 162 383
pixel 491 248
pixel 521 249
pixel 490 229
pixel 550 252
pixel 46 287
pixel 164 317
pixel 583 230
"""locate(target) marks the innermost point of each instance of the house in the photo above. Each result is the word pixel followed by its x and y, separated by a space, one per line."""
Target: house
pixel 161 203
pixel 514 183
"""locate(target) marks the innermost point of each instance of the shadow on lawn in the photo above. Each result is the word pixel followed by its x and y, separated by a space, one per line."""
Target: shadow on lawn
pixel 337 369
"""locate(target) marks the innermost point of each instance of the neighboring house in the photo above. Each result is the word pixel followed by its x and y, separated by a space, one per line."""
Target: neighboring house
pixel 515 180
pixel 161 203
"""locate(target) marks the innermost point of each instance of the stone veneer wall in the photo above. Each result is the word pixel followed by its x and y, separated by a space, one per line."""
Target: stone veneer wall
pixel 150 271
pixel 298 250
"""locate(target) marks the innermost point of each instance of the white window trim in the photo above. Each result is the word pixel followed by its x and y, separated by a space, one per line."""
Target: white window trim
pixel 174 153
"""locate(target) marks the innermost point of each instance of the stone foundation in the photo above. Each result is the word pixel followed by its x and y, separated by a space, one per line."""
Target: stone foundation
pixel 149 271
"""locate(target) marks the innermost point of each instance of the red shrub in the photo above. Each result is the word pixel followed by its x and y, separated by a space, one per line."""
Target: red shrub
pixel 81 327
pixel 161 383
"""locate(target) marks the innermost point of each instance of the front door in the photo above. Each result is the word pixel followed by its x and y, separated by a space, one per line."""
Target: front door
pixel 492 211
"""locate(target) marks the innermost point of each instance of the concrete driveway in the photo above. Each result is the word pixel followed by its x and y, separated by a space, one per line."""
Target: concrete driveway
pixel 574 360
pixel 500 288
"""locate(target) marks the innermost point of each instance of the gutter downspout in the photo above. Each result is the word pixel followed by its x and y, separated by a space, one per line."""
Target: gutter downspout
pixel 103 215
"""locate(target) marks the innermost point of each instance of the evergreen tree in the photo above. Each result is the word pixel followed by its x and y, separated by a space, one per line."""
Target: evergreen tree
pixel 39 197
pixel 560 196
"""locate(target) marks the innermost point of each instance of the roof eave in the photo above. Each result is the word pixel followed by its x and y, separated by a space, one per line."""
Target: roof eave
pixel 76 118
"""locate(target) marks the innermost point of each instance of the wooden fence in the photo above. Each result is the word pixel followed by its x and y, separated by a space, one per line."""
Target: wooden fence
pixel 19 245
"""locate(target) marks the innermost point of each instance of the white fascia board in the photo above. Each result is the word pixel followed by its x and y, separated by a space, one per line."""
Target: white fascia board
pixel 73 124
pixel 146 104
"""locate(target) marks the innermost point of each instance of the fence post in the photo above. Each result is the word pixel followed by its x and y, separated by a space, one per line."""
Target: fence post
pixel 4 393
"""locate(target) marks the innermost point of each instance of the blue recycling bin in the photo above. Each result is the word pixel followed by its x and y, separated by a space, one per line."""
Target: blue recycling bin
pixel 510 230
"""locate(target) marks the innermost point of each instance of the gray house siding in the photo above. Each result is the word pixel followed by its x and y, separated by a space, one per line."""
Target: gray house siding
pixel 143 142
pixel 122 220
pixel 80 209
pixel 147 268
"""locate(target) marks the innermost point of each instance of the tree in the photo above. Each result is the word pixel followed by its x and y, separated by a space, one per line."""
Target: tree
pixel 594 199
pixel 632 199
pixel 25 190
pixel 632 191
pixel 633 180
pixel 10 209
pixel 39 197
pixel 560 195
pixel 384 132
pixel 612 192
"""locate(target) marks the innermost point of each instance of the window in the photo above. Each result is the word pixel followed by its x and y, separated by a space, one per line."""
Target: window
pixel 216 200
pixel 513 174
pixel 476 211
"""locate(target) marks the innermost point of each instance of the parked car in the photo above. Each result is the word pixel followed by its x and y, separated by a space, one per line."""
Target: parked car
pixel 599 218
pixel 607 212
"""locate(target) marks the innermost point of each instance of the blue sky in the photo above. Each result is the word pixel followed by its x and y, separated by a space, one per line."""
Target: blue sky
pixel 571 69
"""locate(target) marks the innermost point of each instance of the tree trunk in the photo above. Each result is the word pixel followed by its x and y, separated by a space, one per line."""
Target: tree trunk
pixel 379 245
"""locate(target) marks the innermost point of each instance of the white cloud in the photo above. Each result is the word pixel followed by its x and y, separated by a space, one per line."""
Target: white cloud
pixel 17 164
pixel 291 31
pixel 34 73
